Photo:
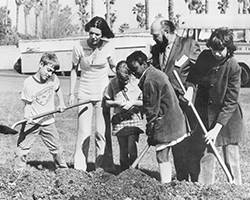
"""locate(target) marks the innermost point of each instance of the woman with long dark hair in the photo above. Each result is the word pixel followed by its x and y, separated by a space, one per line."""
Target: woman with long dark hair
pixel 94 56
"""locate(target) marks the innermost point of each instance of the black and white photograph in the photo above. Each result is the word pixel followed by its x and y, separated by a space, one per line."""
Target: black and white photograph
pixel 124 100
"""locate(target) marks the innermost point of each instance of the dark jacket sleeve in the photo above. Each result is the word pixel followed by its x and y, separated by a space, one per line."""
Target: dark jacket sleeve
pixel 151 104
pixel 231 97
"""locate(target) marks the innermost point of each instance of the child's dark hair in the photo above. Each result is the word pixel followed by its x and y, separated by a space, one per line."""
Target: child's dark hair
pixel 122 71
pixel 50 58
pixel 221 38
pixel 100 23
pixel 137 56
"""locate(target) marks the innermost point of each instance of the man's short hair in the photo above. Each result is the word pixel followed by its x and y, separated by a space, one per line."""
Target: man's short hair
pixel 50 58
pixel 137 56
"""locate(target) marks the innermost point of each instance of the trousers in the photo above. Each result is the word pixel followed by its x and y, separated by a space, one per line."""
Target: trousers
pixel 181 159
pixel 84 133
pixel 203 162
pixel 50 137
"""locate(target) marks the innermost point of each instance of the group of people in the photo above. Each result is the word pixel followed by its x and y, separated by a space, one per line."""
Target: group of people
pixel 146 98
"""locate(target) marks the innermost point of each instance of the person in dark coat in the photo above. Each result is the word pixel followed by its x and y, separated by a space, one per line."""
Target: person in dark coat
pixel 172 52
pixel 165 120
pixel 218 77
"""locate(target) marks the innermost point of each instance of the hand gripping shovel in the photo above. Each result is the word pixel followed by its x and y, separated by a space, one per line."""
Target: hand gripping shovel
pixel 48 113
pixel 216 153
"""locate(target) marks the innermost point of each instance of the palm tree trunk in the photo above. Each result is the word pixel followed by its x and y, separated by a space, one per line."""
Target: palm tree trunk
pixel 17 16
pixel 206 7
pixel 146 14
pixel 36 25
pixel 244 9
pixel 6 12
pixel 108 12
pixel 25 24
pixel 92 8
pixel 170 10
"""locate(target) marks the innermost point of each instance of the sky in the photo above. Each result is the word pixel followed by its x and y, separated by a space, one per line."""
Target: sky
pixel 123 9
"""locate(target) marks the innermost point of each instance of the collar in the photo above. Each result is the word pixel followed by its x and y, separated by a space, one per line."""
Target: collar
pixel 144 72
pixel 143 76
pixel 172 40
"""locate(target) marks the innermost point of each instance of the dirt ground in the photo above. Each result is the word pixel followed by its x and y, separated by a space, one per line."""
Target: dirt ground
pixel 131 184
pixel 40 181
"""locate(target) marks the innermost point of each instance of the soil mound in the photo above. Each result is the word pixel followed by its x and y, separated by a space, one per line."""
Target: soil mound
pixel 132 184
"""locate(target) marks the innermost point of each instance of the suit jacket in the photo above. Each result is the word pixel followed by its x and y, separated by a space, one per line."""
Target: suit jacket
pixel 217 96
pixel 181 46
pixel 165 119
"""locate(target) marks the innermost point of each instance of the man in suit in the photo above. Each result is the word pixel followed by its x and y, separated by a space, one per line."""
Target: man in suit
pixel 172 52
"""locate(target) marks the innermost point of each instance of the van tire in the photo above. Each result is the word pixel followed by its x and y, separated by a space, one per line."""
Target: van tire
pixel 245 75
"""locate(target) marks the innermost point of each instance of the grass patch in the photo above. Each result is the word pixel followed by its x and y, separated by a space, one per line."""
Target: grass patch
pixel 11 111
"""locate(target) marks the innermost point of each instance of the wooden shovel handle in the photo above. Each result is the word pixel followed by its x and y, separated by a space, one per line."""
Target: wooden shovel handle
pixel 138 159
pixel 47 113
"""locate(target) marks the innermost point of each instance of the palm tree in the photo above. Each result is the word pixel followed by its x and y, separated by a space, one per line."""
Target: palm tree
pixel 146 14
pixel 107 2
pixel 110 16
pixel 223 5
pixel 37 10
pixel 245 8
pixel 18 3
pixel 6 13
pixel 92 8
pixel 170 10
pixel 82 12
pixel 60 21
pixel 196 5
pixel 206 6
pixel 123 27
pixel 113 18
pixel 27 7
pixel 139 10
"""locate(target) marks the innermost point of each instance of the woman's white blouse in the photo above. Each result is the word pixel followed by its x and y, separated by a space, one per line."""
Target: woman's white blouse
pixel 94 65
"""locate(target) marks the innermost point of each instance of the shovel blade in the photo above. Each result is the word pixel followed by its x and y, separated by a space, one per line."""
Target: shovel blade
pixel 7 130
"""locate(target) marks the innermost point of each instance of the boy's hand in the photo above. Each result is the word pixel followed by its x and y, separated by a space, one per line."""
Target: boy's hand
pixel 71 99
pixel 62 107
pixel 29 120
pixel 128 105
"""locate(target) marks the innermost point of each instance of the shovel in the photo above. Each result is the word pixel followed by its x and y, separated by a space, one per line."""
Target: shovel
pixel 138 159
pixel 7 130
pixel 47 113
pixel 215 151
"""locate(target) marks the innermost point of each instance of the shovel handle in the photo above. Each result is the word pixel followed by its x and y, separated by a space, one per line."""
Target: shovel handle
pixel 216 153
pixel 138 159
pixel 47 113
